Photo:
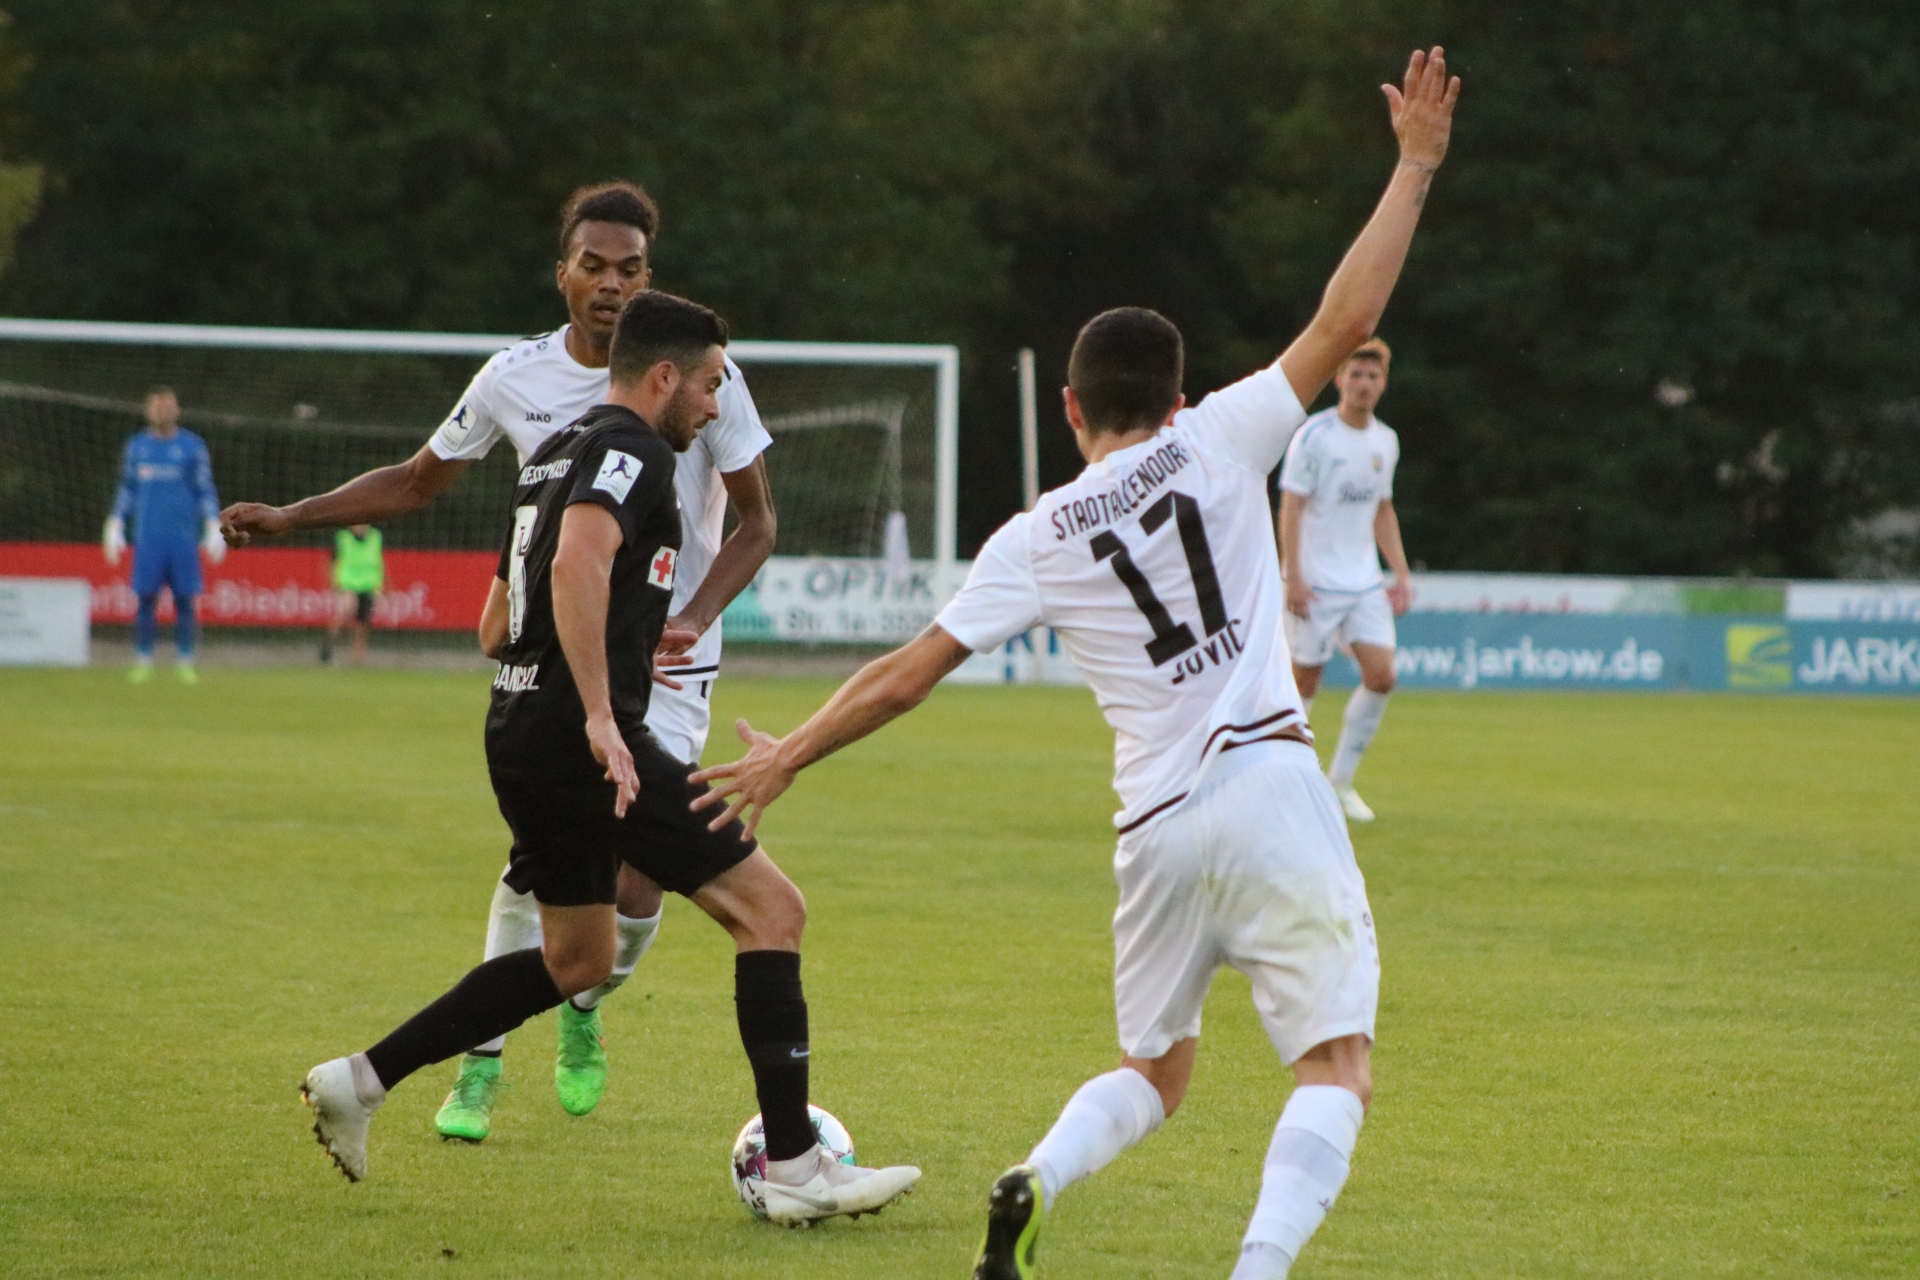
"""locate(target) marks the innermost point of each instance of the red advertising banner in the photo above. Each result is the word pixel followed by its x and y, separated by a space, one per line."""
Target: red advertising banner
pixel 278 586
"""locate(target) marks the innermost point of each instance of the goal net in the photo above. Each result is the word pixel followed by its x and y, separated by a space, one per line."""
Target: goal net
pixel 863 463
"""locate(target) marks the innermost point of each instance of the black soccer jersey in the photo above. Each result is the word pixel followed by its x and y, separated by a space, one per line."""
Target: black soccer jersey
pixel 536 726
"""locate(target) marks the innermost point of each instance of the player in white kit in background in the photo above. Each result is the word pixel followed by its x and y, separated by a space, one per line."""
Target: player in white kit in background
pixel 1156 568
pixel 525 394
pixel 1336 507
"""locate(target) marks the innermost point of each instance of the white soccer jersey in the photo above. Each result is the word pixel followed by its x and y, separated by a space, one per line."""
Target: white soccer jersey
pixel 534 388
pixel 1344 473
pixel 1157 569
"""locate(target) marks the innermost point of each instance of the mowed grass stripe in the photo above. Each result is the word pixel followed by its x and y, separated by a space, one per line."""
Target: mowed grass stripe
pixel 1652 977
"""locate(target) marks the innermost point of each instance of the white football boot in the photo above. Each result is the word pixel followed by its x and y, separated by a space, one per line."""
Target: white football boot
pixel 340 1115
pixel 1352 805
pixel 832 1188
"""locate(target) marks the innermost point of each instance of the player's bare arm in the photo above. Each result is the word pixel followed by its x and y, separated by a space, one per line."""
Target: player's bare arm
pixel 879 693
pixel 493 620
pixel 1356 296
pixel 1299 594
pixel 741 555
pixel 582 570
pixel 373 498
pixel 738 560
pixel 1386 532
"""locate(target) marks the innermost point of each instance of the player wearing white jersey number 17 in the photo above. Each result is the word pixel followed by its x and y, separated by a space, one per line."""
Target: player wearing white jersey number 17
pixel 1336 507
pixel 523 395
pixel 1156 567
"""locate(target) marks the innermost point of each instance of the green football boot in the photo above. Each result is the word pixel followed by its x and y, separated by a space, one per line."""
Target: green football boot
pixel 185 673
pixel 580 1067
pixel 467 1114
pixel 140 673
pixel 1014 1213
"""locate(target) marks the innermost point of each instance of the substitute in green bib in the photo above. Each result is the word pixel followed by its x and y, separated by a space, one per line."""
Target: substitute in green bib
pixel 359 576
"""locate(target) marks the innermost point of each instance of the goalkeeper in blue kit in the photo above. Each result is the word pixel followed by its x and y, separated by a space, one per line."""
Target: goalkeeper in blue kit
pixel 166 486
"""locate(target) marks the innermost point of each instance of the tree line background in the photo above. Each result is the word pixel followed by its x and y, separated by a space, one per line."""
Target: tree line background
pixel 1661 317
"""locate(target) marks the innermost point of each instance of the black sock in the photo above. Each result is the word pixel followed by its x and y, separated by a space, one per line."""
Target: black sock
pixel 773 1027
pixel 490 1001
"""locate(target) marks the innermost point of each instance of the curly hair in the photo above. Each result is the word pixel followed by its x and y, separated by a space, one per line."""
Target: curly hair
pixel 622 202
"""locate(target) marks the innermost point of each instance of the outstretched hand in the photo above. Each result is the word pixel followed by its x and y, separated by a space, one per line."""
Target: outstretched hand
pixel 242 522
pixel 1422 110
pixel 753 782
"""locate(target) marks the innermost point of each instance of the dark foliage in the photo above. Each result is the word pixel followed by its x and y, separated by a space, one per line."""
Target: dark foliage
pixel 1662 317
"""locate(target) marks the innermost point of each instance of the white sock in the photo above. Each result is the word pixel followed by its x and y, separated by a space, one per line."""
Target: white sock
pixel 513 924
pixel 1364 712
pixel 1306 1167
pixel 635 937
pixel 1306 707
pixel 1109 1114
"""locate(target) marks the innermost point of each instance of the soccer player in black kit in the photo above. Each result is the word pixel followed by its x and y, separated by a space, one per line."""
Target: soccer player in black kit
pixel 577 610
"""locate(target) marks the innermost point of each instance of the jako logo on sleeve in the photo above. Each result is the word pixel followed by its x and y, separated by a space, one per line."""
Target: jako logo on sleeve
pixel 618 471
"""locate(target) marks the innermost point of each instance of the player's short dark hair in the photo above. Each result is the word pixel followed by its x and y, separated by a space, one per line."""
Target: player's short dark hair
pixel 1126 369
pixel 658 326
pixel 161 389
pixel 624 202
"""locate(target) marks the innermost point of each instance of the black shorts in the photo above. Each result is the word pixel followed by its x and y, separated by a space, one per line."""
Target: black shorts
pixel 568 846
pixel 363 608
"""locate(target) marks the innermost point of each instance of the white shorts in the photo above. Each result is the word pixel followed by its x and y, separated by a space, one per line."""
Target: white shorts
pixel 1254 870
pixel 681 717
pixel 1337 618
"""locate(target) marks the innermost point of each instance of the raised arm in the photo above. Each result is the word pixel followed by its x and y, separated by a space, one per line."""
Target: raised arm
pixel 582 570
pixel 373 498
pixel 1357 295
pixel 879 693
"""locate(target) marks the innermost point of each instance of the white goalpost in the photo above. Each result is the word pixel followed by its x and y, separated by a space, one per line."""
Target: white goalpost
pixel 865 465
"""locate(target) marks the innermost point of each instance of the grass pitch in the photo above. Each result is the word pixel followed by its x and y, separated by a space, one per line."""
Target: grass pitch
pixel 1651 1004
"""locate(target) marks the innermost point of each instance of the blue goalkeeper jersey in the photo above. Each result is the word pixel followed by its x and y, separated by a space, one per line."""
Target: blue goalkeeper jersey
pixel 166 487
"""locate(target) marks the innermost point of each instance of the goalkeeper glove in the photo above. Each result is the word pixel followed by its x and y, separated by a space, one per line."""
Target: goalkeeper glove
pixel 113 540
pixel 213 544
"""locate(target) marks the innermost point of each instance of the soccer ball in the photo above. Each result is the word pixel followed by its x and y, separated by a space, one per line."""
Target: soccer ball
pixel 750 1156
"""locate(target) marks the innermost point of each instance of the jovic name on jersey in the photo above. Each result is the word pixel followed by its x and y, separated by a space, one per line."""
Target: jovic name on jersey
pixel 533 388
pixel 1345 474
pixel 536 726
pixel 1157 569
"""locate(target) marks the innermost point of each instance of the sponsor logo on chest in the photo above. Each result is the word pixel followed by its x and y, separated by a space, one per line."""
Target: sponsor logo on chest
pixel 545 471
pixel 150 471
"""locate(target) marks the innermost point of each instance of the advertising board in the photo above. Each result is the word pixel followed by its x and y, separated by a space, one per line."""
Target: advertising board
pixel 43 622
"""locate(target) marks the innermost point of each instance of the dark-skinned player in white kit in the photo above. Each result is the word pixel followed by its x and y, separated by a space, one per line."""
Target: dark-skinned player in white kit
pixel 522 396
pixel 1157 569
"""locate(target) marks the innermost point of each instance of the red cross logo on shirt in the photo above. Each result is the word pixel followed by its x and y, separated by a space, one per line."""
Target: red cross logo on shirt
pixel 660 572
